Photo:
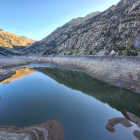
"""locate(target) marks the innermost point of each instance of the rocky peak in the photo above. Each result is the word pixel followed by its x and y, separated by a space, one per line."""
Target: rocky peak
pixel 79 20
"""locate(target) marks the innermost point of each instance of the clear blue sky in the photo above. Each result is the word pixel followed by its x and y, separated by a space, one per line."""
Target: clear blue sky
pixel 38 18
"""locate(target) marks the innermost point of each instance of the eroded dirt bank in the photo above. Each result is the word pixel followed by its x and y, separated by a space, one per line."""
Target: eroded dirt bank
pixel 120 71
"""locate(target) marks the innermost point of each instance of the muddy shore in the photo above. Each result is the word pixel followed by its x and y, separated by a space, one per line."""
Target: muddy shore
pixel 119 71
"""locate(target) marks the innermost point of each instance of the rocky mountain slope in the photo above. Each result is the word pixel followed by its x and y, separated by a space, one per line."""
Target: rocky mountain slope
pixel 12 44
pixel 79 20
pixel 10 40
pixel 116 28
pixel 39 48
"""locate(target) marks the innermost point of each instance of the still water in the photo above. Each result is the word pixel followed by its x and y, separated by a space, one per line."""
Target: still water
pixel 81 104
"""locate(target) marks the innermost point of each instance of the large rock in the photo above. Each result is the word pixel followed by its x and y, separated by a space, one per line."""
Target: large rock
pixel 50 130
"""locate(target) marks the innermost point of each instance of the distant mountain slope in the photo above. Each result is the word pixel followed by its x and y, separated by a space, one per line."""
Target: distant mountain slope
pixel 117 28
pixel 79 20
pixel 38 47
pixel 10 40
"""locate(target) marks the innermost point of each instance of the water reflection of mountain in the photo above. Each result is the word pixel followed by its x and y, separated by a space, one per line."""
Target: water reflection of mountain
pixel 20 73
pixel 120 99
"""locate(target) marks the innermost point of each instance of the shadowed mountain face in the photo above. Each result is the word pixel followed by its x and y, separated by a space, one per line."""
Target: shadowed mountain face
pixel 120 99
pixel 116 28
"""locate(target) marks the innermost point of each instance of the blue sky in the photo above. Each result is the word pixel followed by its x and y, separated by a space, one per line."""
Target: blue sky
pixel 38 18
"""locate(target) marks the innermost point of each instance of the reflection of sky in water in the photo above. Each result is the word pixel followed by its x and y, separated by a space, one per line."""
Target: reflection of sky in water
pixel 38 98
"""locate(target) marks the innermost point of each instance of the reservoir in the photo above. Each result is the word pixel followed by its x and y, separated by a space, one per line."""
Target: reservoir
pixel 81 104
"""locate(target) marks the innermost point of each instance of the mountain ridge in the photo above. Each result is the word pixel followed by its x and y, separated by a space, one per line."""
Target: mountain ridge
pixel 10 39
pixel 73 22
pixel 12 44
pixel 117 29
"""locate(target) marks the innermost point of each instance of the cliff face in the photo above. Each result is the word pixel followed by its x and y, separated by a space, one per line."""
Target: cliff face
pixel 117 28
pixel 10 40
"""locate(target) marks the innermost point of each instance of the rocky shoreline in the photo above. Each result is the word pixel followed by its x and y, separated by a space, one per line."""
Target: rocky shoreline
pixel 50 130
pixel 119 71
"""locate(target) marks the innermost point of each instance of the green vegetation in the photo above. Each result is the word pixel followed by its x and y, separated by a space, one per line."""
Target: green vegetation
pixel 124 50
pixel 121 50
pixel 132 51
pixel 128 51
pixel 74 51
pixel 99 48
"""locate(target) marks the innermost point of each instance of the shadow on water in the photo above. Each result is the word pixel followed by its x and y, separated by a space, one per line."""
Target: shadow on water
pixel 118 98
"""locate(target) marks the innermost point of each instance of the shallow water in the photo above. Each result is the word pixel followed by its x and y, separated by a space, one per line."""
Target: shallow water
pixel 82 105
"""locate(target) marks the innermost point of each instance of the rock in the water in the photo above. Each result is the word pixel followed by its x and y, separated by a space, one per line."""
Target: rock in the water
pixel 134 118
pixel 112 122
pixel 50 130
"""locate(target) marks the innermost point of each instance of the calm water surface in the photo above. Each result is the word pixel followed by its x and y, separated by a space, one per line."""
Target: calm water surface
pixel 80 103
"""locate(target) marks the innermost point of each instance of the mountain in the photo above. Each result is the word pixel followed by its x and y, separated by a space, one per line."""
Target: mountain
pixel 11 43
pixel 79 20
pixel 41 46
pixel 116 28
pixel 10 40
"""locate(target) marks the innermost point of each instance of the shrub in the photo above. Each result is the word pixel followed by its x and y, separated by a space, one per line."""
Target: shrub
pixel 122 48
pixel 132 51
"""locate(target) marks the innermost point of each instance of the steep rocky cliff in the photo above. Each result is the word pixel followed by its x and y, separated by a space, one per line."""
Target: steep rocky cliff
pixel 116 28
